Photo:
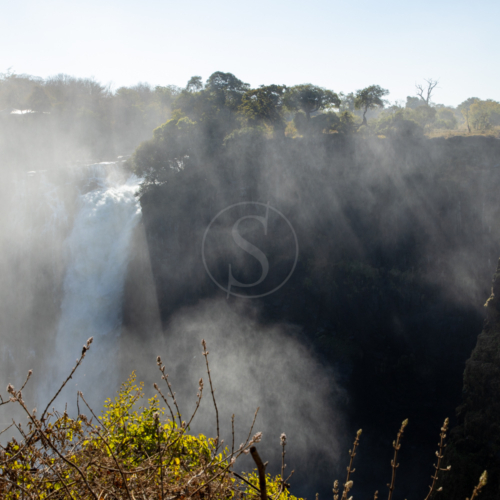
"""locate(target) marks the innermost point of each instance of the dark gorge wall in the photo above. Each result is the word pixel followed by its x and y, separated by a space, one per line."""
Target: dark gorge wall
pixel 475 442
pixel 397 242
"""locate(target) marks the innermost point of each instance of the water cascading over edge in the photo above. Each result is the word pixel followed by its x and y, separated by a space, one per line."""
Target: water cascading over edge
pixel 97 251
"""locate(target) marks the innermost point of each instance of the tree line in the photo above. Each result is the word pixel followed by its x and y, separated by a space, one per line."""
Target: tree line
pixel 96 122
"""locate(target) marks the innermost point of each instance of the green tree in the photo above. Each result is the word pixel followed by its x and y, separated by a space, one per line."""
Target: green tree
pixel 484 114
pixel 265 104
pixel 195 84
pixel 347 123
pixel 413 102
pixel 424 115
pixel 445 118
pixel 400 124
pixel 347 102
pixel 174 146
pixel 310 98
pixel 213 107
pixel 226 89
pixel 317 124
pixel 370 98
pixel 464 108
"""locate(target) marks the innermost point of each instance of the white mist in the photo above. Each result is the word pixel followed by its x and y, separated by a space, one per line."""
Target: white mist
pixel 97 258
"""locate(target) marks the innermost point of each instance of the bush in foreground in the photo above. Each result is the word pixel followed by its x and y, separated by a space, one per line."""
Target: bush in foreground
pixel 147 453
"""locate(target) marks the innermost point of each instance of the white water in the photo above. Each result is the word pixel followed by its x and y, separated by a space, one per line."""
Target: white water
pixel 97 251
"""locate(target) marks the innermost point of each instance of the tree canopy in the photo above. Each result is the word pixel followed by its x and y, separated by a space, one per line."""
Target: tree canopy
pixel 311 98
pixel 93 121
pixel 264 104
pixel 194 84
pixel 370 98
pixel 226 88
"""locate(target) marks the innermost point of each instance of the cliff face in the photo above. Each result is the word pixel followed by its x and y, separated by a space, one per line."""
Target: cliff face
pixel 398 240
pixel 475 443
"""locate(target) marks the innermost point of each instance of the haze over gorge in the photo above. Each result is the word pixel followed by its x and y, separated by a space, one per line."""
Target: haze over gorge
pixel 105 203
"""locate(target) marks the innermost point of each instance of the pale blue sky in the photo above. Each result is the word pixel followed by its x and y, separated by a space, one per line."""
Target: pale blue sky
pixel 337 44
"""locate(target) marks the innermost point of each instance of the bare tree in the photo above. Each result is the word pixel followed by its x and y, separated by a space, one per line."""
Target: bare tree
pixel 426 93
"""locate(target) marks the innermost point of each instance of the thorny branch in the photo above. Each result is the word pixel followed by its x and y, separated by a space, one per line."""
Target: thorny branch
pixel 396 445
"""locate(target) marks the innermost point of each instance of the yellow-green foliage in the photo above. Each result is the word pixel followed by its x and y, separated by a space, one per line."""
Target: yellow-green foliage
pixel 485 114
pixel 132 452
pixel 136 434
pixel 273 487
pixel 128 449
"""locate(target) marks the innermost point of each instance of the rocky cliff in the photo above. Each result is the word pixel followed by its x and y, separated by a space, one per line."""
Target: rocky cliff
pixel 475 443
pixel 398 240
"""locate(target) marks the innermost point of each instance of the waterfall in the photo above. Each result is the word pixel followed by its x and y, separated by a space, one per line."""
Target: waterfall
pixel 97 253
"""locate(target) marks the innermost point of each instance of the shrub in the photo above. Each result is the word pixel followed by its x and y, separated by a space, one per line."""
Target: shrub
pixel 137 453
pixel 127 452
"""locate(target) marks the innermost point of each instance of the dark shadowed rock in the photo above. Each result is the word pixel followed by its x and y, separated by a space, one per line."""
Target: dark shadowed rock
pixel 475 442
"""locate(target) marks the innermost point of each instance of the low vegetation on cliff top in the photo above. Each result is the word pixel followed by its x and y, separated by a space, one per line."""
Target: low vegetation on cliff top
pixel 92 120
pixel 149 453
